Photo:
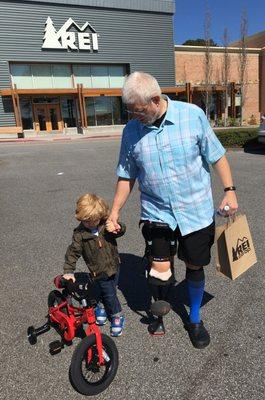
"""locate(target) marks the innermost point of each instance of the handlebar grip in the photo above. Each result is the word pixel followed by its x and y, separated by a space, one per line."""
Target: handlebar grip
pixel 69 285
pixel 60 282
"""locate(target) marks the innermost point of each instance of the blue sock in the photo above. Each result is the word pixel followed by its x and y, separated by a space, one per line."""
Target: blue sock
pixel 195 290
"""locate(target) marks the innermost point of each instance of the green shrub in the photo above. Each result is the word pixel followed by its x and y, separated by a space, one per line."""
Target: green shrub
pixel 220 122
pixel 236 137
pixel 233 121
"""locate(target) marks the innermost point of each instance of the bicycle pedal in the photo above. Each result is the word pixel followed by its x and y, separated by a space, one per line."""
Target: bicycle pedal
pixel 55 347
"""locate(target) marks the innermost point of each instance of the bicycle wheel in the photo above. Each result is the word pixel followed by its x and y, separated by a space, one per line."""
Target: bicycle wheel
pixel 86 375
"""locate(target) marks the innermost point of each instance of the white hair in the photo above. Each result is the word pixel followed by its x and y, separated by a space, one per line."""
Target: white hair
pixel 140 87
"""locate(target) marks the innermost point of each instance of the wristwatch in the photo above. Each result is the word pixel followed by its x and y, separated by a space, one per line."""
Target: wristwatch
pixel 227 189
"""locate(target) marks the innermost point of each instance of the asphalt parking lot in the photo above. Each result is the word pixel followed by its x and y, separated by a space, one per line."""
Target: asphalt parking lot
pixel 39 186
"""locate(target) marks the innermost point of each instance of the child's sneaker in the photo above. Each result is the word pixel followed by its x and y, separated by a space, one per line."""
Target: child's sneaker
pixel 117 325
pixel 101 316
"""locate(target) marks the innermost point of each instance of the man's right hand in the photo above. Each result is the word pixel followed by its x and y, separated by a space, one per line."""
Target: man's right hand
pixel 69 277
pixel 113 218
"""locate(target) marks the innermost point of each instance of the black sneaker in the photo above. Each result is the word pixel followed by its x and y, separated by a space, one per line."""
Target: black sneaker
pixel 156 328
pixel 198 334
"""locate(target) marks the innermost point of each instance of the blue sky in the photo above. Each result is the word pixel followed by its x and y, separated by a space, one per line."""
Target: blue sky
pixel 189 18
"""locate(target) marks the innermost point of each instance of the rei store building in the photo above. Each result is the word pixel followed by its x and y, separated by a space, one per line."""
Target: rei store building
pixel 63 63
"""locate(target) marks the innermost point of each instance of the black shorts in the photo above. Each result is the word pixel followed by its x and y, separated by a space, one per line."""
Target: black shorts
pixel 194 248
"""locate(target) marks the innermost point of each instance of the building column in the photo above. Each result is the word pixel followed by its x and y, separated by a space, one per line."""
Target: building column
pixel 188 92
pixel 16 105
pixel 81 105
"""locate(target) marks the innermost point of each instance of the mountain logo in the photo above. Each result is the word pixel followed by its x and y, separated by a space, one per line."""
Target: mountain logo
pixel 64 39
pixel 242 247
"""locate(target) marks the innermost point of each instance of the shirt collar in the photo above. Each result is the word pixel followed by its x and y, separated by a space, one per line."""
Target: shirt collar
pixel 171 111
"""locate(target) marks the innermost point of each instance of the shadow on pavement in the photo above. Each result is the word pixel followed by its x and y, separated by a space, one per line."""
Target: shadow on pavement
pixel 133 285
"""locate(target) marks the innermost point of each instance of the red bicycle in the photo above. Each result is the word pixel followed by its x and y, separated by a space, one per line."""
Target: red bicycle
pixel 95 360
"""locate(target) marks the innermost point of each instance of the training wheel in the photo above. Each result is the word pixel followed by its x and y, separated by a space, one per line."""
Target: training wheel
pixel 31 333
pixel 55 347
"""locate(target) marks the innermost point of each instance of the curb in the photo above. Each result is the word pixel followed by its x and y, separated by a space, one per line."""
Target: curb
pixel 58 139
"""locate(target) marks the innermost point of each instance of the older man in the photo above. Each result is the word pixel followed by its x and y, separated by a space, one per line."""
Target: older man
pixel 168 147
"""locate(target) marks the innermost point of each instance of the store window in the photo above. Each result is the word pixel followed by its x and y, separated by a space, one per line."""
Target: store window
pixel 116 76
pixel 62 76
pixel 26 113
pixel 68 107
pixel 46 99
pixel 21 76
pixel 66 76
pixel 82 74
pixel 99 76
pixel 105 110
pixel 42 76
pixel 90 111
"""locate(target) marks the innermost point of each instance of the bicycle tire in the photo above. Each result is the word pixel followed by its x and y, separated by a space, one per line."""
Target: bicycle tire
pixel 79 366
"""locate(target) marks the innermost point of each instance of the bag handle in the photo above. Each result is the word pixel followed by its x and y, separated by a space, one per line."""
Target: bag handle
pixel 230 218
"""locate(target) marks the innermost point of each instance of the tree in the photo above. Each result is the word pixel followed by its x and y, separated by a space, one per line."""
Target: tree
pixel 226 73
pixel 199 42
pixel 242 61
pixel 207 93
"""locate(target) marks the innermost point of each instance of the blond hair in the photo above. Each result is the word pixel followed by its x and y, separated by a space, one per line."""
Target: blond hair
pixel 140 87
pixel 92 208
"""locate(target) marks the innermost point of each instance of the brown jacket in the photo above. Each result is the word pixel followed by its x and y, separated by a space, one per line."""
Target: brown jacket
pixel 100 252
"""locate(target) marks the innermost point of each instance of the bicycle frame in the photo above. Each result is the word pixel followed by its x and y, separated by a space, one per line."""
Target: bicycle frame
pixel 72 319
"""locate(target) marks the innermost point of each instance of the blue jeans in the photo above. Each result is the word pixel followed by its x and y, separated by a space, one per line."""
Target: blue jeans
pixel 108 294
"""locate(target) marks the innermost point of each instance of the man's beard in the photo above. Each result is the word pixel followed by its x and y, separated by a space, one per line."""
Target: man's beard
pixel 152 119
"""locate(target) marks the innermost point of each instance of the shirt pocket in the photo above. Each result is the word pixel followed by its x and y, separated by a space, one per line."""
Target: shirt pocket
pixel 182 154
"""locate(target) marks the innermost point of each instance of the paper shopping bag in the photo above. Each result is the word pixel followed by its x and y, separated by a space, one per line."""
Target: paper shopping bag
pixel 235 251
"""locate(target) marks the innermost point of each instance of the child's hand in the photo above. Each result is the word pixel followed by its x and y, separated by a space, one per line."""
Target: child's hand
pixel 69 277
pixel 110 226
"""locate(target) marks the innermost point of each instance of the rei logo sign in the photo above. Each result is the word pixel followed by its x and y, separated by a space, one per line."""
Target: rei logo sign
pixel 242 247
pixel 64 39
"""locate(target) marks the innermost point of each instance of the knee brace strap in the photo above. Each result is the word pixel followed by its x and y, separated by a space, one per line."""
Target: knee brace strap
pixel 158 282
pixel 163 276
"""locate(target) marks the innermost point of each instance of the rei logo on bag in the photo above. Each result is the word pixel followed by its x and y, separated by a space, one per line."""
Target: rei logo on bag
pixel 242 248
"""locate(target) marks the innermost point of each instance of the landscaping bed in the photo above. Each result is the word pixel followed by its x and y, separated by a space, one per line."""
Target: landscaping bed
pixel 237 137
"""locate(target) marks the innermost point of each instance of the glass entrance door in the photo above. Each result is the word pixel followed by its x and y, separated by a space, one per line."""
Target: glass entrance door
pixel 48 117
pixel 40 117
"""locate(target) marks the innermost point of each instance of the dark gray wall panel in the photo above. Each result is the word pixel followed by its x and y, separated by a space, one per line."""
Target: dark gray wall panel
pixel 167 6
pixel 142 39
pixel 6 118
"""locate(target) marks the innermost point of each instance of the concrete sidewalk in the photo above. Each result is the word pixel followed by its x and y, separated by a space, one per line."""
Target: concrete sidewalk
pixel 64 137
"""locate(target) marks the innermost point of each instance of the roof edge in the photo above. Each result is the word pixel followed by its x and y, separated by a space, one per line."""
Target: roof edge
pixel 215 49
pixel 159 6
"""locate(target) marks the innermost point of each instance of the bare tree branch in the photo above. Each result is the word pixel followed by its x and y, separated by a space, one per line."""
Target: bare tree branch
pixel 207 94
pixel 226 72
pixel 243 61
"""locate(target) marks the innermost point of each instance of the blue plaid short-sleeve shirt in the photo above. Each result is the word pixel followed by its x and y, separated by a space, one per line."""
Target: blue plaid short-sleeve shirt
pixel 171 164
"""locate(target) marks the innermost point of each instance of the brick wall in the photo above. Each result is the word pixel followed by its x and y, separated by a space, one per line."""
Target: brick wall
pixel 262 78
pixel 189 67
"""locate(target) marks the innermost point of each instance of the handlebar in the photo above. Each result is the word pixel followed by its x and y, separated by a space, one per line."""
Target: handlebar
pixel 70 286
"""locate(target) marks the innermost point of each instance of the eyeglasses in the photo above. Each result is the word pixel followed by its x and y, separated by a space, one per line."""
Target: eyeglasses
pixel 139 113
